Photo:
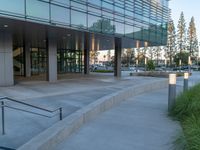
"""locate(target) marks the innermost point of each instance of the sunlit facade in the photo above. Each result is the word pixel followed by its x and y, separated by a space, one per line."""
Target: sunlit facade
pixel 31 23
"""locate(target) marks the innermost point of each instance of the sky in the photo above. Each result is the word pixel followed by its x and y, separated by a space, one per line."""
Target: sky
pixel 190 8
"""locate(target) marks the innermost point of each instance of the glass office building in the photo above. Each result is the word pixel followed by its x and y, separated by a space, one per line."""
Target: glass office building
pixel 55 36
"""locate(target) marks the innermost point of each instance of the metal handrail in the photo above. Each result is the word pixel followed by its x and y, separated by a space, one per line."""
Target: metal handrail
pixel 27 104
pixel 19 109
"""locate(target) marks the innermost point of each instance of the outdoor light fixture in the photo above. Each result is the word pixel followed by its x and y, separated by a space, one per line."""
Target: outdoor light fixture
pixel 5 25
pixel 145 61
pixel 172 78
pixel 186 75
pixel 189 60
pixel 180 62
pixel 136 62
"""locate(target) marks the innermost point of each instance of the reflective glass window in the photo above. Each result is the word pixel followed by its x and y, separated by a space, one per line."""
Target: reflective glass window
pixel 94 10
pixel 119 28
pixel 94 23
pixel 96 2
pixel 78 19
pixel 10 6
pixel 108 26
pixel 129 31
pixel 137 33
pixel 107 5
pixel 37 9
pixel 60 14
pixel 78 6
pixel 65 2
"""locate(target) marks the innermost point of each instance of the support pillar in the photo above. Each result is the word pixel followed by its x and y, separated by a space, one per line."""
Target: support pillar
pixel 118 50
pixel 52 60
pixel 6 59
pixel 86 53
pixel 27 51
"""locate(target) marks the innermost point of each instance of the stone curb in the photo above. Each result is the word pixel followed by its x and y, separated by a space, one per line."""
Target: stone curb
pixel 52 136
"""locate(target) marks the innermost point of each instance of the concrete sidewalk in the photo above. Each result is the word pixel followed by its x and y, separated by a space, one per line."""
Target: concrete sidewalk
pixel 140 123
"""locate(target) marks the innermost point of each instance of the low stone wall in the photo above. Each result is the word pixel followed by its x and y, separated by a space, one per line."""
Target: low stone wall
pixel 52 136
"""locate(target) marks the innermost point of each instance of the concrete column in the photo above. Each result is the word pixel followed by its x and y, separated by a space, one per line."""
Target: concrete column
pixel 86 53
pixel 118 50
pixel 52 60
pixel 6 59
pixel 27 51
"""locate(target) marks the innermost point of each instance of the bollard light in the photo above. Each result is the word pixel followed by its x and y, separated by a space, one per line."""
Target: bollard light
pixel 136 62
pixel 186 75
pixel 145 61
pixel 172 78
pixel 172 91
pixel 185 82
pixel 189 60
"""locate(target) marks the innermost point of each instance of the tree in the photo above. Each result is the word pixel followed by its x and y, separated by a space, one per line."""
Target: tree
pixel 157 53
pixel 150 52
pixel 183 56
pixel 150 65
pixel 94 56
pixel 170 50
pixel 128 56
pixel 109 55
pixel 192 39
pixel 103 25
pixel 181 34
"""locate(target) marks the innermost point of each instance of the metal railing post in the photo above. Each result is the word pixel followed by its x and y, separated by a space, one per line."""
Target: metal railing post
pixel 3 117
pixel 60 113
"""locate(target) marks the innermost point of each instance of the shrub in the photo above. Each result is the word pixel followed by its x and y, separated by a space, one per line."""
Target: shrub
pixel 187 111
pixel 150 65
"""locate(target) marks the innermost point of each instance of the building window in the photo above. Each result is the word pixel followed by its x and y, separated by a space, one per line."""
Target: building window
pixel 37 9
pixel 78 19
pixel 60 14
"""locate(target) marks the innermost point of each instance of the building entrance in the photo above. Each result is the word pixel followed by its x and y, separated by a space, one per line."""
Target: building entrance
pixel 38 61
pixel 69 61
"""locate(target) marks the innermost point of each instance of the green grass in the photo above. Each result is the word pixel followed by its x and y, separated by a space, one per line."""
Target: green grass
pixel 187 111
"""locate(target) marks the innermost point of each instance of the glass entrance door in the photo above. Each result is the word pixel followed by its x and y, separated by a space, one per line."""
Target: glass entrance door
pixel 38 61
pixel 70 61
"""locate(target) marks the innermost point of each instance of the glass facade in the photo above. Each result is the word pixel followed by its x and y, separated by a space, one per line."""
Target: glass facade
pixel 144 20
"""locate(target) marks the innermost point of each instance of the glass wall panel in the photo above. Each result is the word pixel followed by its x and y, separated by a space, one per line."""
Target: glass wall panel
pixel 78 19
pixel 129 31
pixel 108 26
pixel 137 32
pixel 94 23
pixel 119 28
pixel 65 2
pixel 95 2
pixel 78 6
pixel 10 6
pixel 37 9
pixel 60 14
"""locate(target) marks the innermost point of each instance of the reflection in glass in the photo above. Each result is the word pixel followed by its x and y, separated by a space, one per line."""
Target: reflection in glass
pixel 79 19
pixel 37 9
pixel 60 14
pixel 16 6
